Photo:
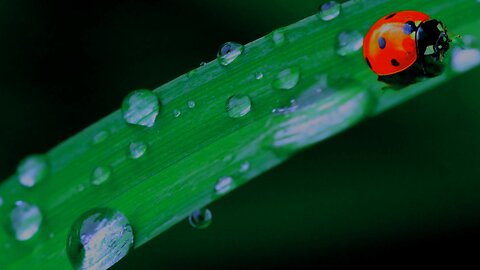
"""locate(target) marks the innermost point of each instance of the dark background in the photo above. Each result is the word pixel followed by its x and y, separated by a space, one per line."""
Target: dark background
pixel 401 189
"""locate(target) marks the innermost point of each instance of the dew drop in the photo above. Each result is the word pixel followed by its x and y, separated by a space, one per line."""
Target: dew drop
pixel 32 170
pixel 258 76
pixel 349 43
pixel 25 220
pixel 141 107
pixel 465 59
pixel 245 166
pixel 191 104
pixel 100 137
pixel 238 106
pixel 177 113
pixel 287 79
pixel 1 201
pixel 329 11
pixel 98 239
pixel 202 64
pixel 229 52
pixel 278 37
pixel 200 219
pixel 224 185
pixel 80 188
pixel 137 149
pixel 101 175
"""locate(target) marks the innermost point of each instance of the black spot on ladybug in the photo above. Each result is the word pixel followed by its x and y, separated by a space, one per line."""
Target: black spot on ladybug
pixel 382 43
pixel 390 16
pixel 395 63
pixel 368 62
pixel 409 27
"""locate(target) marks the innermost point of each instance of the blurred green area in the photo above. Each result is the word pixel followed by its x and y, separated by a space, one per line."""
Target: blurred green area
pixel 400 187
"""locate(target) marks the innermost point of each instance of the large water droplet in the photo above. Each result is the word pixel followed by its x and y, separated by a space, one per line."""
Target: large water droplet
pixel 349 42
pixel 141 107
pixel 238 106
pixel 465 59
pixel 137 149
pixel 200 219
pixel 98 239
pixel 33 170
pixel 229 52
pixel 287 79
pixel 224 185
pixel 101 175
pixel 278 37
pixel 25 220
pixel 329 11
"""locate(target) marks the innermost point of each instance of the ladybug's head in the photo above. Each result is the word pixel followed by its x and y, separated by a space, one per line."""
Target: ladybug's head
pixel 432 39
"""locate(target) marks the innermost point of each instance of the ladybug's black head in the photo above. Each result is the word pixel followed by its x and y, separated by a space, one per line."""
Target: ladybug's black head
pixel 432 39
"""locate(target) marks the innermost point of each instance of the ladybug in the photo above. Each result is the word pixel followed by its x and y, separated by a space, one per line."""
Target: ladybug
pixel 406 46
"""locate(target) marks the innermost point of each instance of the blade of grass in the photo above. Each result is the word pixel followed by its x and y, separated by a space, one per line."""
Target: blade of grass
pixel 188 154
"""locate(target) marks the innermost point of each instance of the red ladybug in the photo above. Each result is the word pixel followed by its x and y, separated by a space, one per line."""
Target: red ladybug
pixel 405 46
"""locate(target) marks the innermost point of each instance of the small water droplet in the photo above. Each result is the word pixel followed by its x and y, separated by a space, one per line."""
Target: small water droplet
pixel 25 220
pixel 100 137
pixel 141 107
pixel 258 76
pixel 203 64
pixel 191 104
pixel 200 219
pixel 287 79
pixel 101 174
pixel 1 201
pixel 245 166
pixel 329 11
pixel 51 235
pixel 80 188
pixel 349 42
pixel 177 113
pixel 32 170
pixel 98 239
pixel 238 106
pixel 278 37
pixel 465 59
pixel 224 185
pixel 137 149
pixel 191 73
pixel 229 52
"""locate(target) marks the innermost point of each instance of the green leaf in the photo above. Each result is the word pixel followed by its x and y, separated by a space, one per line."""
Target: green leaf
pixel 186 154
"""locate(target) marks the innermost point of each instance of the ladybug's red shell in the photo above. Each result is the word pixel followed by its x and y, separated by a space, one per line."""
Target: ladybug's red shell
pixel 390 45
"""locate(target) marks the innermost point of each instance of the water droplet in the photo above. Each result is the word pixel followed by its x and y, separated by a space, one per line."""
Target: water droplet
pixel 137 149
pixel 238 106
pixel 177 113
pixel 101 174
pixel 229 52
pixel 203 64
pixel 1 201
pixel 33 170
pixel 278 37
pixel 80 188
pixel 191 73
pixel 224 185
pixel 51 235
pixel 287 79
pixel 258 76
pixel 200 219
pixel 100 137
pixel 245 166
pixel 141 107
pixel 329 11
pixel 349 42
pixel 26 220
pixel 465 59
pixel 99 238
pixel 191 104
